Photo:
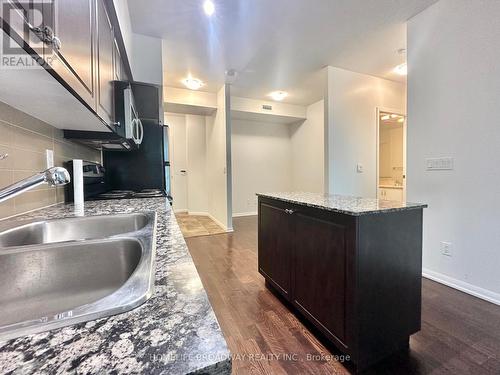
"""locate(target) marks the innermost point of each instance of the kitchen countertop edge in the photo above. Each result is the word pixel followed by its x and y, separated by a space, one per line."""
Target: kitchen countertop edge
pixel 174 332
pixel 349 205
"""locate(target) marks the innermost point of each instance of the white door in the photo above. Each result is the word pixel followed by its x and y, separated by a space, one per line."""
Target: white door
pixel 178 161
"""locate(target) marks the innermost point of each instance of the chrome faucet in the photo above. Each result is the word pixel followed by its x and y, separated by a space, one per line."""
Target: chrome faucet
pixel 55 176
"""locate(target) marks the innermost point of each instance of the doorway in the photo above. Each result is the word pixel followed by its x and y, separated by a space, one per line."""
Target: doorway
pixel 391 155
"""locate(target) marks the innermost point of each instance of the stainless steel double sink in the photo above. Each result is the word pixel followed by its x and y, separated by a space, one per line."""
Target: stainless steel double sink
pixel 59 272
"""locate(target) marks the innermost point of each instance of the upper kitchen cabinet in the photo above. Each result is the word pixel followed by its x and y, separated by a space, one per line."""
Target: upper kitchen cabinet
pixel 70 52
pixel 79 47
pixel 105 64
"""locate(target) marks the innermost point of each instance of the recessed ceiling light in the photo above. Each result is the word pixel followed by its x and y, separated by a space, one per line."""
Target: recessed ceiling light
pixel 401 69
pixel 192 83
pixel 209 7
pixel 278 95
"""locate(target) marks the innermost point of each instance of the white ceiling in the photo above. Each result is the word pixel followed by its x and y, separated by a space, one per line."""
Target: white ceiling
pixel 276 44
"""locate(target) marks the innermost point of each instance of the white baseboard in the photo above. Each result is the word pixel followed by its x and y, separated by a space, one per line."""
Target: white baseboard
pixel 220 224
pixel 240 214
pixel 180 211
pixel 197 213
pixel 473 290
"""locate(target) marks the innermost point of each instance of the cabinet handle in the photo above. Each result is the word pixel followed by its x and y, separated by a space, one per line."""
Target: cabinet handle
pixel 288 211
pixel 56 43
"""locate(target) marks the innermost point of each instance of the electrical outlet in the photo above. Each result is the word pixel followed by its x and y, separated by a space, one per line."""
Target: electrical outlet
pixel 49 154
pixel 446 248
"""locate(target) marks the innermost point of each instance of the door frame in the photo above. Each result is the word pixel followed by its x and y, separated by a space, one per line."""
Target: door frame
pixel 377 146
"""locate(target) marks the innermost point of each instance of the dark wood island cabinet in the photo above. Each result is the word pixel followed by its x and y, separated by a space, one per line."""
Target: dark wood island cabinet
pixel 351 266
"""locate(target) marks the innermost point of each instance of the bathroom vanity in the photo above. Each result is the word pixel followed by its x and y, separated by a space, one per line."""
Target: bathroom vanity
pixel 350 266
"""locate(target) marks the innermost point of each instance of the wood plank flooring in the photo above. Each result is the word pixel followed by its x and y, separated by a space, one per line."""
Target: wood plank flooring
pixel 197 225
pixel 460 333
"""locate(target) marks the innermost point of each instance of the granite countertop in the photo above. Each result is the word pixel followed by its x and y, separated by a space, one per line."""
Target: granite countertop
pixel 174 332
pixel 354 206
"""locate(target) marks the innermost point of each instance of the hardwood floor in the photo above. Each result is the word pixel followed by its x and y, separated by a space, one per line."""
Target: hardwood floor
pixel 460 333
pixel 197 225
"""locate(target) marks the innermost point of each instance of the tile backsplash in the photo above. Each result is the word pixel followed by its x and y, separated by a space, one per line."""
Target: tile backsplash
pixel 25 139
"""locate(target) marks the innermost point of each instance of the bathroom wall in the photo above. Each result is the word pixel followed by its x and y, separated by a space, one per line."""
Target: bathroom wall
pixel 391 154
pixel 25 139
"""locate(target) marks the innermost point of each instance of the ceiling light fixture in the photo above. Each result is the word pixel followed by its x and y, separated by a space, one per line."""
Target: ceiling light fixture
pixel 192 83
pixel 385 117
pixel 209 7
pixel 278 95
pixel 401 69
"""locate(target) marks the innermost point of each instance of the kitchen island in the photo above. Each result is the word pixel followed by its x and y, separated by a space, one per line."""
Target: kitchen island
pixel 174 332
pixel 350 266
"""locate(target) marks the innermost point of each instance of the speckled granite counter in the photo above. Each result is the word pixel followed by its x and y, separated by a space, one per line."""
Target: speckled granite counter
pixel 343 204
pixel 174 332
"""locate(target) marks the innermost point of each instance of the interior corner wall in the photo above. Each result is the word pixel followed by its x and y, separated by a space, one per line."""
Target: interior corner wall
pixel 217 165
pixel 307 140
pixel 144 52
pixel 453 111
pixel 197 194
pixel 351 121
pixel 261 160
pixel 146 63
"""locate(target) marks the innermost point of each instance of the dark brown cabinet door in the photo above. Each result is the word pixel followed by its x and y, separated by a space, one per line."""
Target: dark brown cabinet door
pixel 319 274
pixel 71 54
pixel 275 242
pixel 105 65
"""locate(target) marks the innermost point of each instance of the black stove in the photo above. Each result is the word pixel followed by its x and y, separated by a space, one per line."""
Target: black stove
pixel 95 186
pixel 128 194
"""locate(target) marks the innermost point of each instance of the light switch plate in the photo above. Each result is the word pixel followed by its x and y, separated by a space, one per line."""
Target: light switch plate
pixel 446 248
pixel 439 164
pixel 50 158
pixel 359 168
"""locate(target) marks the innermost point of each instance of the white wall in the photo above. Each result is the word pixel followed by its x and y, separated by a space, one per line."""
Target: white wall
pixel 453 110
pixel 351 133
pixel 218 169
pixel 190 97
pixel 261 160
pixel 144 52
pixel 278 109
pixel 146 64
pixel 197 192
pixel 307 140
pixel 178 160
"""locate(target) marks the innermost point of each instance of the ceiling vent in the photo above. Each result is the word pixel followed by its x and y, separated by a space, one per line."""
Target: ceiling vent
pixel 267 107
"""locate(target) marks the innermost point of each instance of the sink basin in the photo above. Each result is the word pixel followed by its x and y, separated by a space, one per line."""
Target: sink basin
pixel 71 229
pixel 51 284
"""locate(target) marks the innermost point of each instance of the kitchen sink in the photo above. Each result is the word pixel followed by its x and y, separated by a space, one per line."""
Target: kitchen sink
pixel 61 278
pixel 78 228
